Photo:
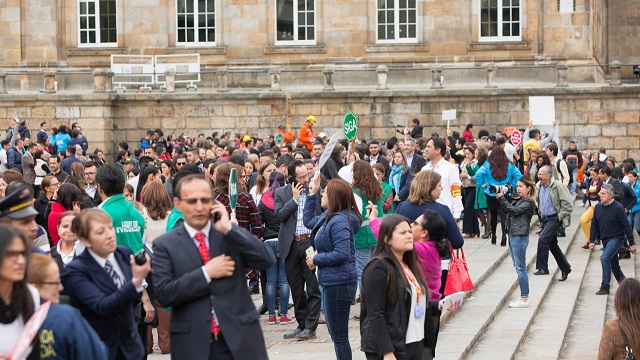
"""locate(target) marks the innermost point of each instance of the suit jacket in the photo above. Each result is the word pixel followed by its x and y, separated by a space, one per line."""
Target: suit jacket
pixel 285 211
pixel 617 187
pixel 28 172
pixel 108 310
pixel 180 282
pixel 417 163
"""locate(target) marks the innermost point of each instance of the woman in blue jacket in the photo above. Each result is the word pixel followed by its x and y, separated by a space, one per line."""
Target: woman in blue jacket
pixel 335 255
pixel 497 171
pixel 634 214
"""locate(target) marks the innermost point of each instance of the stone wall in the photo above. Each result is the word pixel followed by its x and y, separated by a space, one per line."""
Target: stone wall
pixel 592 116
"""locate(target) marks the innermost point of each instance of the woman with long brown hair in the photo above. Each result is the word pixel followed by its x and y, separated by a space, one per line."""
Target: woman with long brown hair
pixel 262 180
pixel 368 189
pixel 468 169
pixel 335 257
pixel 627 306
pixel 497 171
pixel 480 205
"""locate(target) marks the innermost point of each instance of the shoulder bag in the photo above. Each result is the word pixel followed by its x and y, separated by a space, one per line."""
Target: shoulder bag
pixel 458 276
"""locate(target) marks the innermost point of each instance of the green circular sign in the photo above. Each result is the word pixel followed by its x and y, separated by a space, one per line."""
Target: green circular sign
pixel 279 138
pixel 350 126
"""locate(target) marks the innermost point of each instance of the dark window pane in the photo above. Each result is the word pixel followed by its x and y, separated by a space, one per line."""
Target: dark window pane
pixel 92 8
pixel 112 7
pixel 310 5
pixel 390 32
pixel 403 17
pixel 403 4
pixel 381 33
pixel 390 4
pixel 211 20
pixel 506 29
pixel 412 16
pixel 202 6
pixel 412 4
pixel 181 6
pixel 506 15
pixel 211 6
pixel 484 16
pixel 190 6
pixel 83 22
pixel 301 19
pixel 83 8
pixel 190 35
pixel 310 19
pixel 190 23
pixel 92 22
pixel 412 31
pixel 515 30
pixel 515 14
pixel 301 33
pixel 181 21
pixel 181 35
pixel 202 35
pixel 403 31
pixel 83 37
pixel 211 35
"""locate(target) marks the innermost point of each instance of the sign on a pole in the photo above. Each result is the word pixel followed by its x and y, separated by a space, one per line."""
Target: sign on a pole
pixel 542 110
pixel 516 138
pixel 233 189
pixel 448 115
pixel 350 126
pixel 279 138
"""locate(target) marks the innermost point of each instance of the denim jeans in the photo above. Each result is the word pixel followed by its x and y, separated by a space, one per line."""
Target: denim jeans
pixel 574 183
pixel 337 304
pixel 362 259
pixel 518 250
pixel 609 260
pixel 276 277
pixel 634 220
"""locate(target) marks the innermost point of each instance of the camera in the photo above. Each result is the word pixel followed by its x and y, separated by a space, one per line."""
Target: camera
pixel 140 257
pixel 506 190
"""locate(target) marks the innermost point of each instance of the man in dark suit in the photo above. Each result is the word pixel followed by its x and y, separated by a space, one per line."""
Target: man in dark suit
pixel 198 270
pixel 106 282
pixel 376 158
pixel 414 159
pixel 293 241
pixel 605 176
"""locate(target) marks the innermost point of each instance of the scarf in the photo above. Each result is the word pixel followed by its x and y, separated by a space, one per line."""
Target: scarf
pixel 267 200
pixel 395 177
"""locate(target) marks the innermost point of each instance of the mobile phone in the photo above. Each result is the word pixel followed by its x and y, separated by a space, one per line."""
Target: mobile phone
pixel 310 251
pixel 140 257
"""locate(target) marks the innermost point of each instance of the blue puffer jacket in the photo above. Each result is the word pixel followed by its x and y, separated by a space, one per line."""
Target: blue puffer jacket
pixel 335 243
pixel 484 176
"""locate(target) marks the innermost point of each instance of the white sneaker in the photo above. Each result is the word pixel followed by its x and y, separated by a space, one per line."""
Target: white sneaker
pixel 581 205
pixel 518 304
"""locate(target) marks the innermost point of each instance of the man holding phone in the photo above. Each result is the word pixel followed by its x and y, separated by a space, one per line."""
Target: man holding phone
pixel 293 241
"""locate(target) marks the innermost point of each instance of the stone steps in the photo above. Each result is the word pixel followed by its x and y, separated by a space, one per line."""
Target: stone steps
pixel 463 334
pixel 583 334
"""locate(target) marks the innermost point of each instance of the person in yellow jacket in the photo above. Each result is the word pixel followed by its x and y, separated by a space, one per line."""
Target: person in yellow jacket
pixel 306 132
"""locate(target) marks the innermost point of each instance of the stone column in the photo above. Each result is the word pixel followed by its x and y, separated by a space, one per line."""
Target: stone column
pixel 328 79
pixel 222 80
pixel 49 81
pixel 436 77
pixel 615 67
pixel 99 80
pixel 382 72
pixel 491 73
pixel 170 80
pixel 108 83
pixel 274 73
pixel 3 82
pixel 562 74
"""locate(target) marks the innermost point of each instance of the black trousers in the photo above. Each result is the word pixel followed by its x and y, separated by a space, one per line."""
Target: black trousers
pixel 219 350
pixel 306 305
pixel 470 219
pixel 548 242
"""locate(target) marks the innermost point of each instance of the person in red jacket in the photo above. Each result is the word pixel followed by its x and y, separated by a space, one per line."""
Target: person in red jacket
pixel 306 132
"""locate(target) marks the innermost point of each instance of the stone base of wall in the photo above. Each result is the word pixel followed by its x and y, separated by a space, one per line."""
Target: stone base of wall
pixel 595 116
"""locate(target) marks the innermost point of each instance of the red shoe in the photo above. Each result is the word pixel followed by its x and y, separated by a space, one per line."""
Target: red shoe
pixel 272 320
pixel 284 319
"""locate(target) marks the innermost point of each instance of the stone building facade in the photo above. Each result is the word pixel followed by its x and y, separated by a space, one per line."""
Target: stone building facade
pixel 526 39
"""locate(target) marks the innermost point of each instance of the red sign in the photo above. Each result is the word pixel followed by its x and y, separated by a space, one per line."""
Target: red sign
pixel 516 138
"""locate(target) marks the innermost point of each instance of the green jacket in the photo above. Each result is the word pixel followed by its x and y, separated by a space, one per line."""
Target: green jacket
pixel 561 199
pixel 364 237
pixel 386 190
pixel 127 221
pixel 173 218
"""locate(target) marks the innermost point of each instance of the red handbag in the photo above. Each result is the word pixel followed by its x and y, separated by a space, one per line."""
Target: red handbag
pixel 458 277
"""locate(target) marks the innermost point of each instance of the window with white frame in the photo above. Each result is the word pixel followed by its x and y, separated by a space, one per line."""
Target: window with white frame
pixel 396 21
pixel 196 22
pixel 500 20
pixel 296 22
pixel 97 23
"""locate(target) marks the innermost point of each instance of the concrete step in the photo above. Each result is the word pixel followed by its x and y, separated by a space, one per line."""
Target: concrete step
pixel 504 335
pixel 556 308
pixel 583 334
pixel 460 333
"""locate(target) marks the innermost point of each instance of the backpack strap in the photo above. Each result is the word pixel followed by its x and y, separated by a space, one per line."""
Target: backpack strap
pixel 626 341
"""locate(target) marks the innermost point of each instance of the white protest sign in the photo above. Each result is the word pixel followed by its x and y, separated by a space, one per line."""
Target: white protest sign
pixel 542 110
pixel 448 115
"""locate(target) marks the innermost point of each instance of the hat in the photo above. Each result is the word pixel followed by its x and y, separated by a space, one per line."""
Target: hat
pixel 311 119
pixel 246 138
pixel 17 205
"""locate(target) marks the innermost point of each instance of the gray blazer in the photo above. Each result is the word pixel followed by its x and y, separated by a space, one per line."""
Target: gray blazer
pixel 285 212
pixel 28 171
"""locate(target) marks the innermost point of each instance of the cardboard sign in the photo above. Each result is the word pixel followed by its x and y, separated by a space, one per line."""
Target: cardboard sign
pixel 542 110
pixel 448 115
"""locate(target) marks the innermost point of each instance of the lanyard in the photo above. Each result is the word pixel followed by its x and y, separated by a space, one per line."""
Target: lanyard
pixel 413 280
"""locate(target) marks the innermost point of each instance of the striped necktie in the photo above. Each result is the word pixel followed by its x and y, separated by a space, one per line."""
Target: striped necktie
pixel 117 280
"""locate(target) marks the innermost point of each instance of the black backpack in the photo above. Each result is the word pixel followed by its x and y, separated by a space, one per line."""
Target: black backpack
pixel 568 170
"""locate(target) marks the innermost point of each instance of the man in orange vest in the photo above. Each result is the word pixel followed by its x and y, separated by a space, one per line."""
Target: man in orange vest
pixel 306 132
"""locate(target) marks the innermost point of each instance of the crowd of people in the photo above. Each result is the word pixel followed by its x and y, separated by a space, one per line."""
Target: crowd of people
pixel 147 240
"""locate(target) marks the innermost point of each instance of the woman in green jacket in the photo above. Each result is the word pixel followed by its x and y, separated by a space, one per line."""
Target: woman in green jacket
pixel 480 203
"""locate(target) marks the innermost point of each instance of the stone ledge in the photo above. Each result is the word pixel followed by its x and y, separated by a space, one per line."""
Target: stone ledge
pixel 291 49
pixel 215 50
pixel 493 46
pixel 95 51
pixel 384 48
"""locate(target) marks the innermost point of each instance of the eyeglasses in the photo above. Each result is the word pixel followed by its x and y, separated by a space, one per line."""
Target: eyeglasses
pixel 193 201
pixel 56 283
pixel 56 184
pixel 415 223
pixel 302 177
pixel 181 163
pixel 14 254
